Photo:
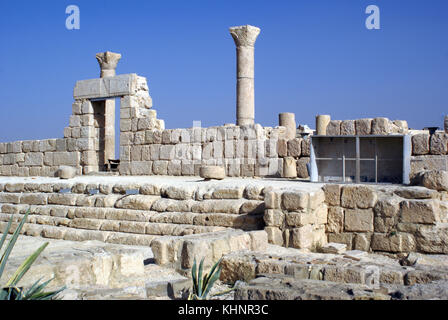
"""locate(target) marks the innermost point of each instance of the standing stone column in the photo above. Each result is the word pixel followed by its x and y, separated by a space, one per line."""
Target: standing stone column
pixel 288 120
pixel 108 63
pixel 445 124
pixel 109 130
pixel 245 37
pixel 322 122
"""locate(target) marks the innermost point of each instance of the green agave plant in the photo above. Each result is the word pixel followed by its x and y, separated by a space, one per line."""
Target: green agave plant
pixel 203 284
pixel 10 291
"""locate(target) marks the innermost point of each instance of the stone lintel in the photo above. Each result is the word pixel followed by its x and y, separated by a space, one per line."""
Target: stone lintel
pixel 121 85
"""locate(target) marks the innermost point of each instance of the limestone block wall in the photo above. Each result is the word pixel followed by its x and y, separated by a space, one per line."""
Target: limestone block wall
pixel 296 218
pixel 146 148
pixel 429 151
pixel 390 219
pixel 38 157
pixel 88 140
pixel 94 119
pixel 366 126
pixel 298 149
pixel 245 151
pixel 387 219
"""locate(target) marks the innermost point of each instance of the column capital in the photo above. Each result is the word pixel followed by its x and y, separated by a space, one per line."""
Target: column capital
pixel 108 63
pixel 245 36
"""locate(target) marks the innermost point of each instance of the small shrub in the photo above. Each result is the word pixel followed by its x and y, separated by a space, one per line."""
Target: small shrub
pixel 202 284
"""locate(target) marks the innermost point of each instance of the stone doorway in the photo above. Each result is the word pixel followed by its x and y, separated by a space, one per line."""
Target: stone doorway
pixel 104 123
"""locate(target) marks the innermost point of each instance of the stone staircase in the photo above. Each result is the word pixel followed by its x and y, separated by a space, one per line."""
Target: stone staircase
pixel 125 213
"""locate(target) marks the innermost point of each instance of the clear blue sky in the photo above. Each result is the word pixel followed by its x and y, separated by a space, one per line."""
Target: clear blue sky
pixel 312 57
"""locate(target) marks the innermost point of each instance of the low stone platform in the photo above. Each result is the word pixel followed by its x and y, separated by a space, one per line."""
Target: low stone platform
pixel 94 270
pixel 388 219
pixel 287 288
pixel 280 273
pixel 136 210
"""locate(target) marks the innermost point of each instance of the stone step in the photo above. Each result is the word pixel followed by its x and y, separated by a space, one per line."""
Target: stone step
pixel 180 252
pixel 135 202
pixel 114 225
pixel 164 282
pixel 66 213
pixel 179 192
pixel 158 283
pixel 277 287
pixel 348 267
pixel 72 234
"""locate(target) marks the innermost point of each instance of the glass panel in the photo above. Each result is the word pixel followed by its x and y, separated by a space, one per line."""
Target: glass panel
pixel 350 170
pixel 390 148
pixel 367 148
pixel 390 171
pixel 330 170
pixel 367 171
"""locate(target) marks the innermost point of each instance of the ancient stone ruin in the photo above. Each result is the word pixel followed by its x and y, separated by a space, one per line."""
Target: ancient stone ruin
pixel 347 207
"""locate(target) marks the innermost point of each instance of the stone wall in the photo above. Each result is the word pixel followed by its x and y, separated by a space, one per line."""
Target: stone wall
pixel 146 148
pixel 389 219
pixel 38 157
pixel 366 126
pixel 392 219
pixel 245 151
pixel 296 218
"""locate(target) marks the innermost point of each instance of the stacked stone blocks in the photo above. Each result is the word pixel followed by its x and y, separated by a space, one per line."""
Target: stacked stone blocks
pixel 108 213
pixel 399 220
pixel 243 151
pixel 296 218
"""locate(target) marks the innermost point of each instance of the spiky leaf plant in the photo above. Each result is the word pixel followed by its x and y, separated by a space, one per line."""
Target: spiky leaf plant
pixel 203 284
pixel 11 291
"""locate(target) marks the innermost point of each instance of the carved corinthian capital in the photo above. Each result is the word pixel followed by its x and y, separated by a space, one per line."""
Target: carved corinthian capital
pixel 245 36
pixel 108 63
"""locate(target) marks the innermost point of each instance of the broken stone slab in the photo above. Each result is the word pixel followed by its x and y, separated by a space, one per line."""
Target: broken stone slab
pixel 415 258
pixel 420 144
pixel 355 254
pixel 416 193
pixel 289 167
pixel 435 179
pixel 80 264
pixel 380 126
pixel 180 252
pixel 66 172
pixel 136 202
pixel 212 172
pixel 335 248
pixel 279 287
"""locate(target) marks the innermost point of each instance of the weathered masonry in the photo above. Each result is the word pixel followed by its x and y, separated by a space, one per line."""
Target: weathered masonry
pixel 243 149
pixel 358 167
